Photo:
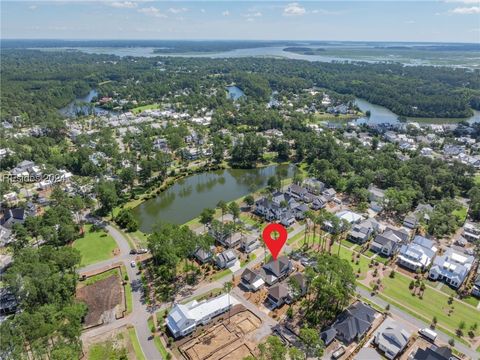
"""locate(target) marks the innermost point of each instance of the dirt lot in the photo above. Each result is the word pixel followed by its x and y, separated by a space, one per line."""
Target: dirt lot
pixel 104 299
pixel 118 339
pixel 224 340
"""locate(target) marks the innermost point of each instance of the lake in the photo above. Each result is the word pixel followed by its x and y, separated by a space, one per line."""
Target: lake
pixel 235 93
pixel 186 199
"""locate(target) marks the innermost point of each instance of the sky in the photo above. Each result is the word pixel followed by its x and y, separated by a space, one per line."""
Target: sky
pixel 381 20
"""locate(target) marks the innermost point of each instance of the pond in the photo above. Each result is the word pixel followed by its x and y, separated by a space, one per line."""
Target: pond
pixel 186 199
pixel 82 106
pixel 235 93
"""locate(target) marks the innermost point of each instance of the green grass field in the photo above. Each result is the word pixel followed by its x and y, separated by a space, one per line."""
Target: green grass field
pixel 139 109
pixel 95 246
pixel 434 303
pixel 477 179
pixel 136 345
pixel 461 214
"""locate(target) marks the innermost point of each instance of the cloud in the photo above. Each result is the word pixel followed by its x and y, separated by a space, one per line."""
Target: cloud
pixel 226 13
pixel 152 11
pixel 123 4
pixel 253 14
pixel 32 7
pixel 294 9
pixel 177 10
pixel 466 10
pixel 202 11
pixel 410 22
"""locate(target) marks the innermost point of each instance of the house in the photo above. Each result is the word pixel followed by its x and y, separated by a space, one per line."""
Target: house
pixel 418 254
pixel 204 256
pixel 5 236
pixel 297 191
pixel 23 168
pixel 367 353
pixel 8 302
pixel 353 323
pixel 434 353
pixel 471 231
pixel 410 221
pixel 226 259
pixel 451 267
pixel 376 194
pixel 362 231
pixel 423 211
pixel 252 280
pixel 328 335
pixel 344 216
pixel 313 186
pixel 278 295
pixel 319 202
pixel 277 270
pixel 391 338
pixel 389 241
pixel 249 243
pixel 191 154
pixel 13 216
pixel 230 241
pixel 183 319
pixel 287 218
pixel 329 193
pixel 297 285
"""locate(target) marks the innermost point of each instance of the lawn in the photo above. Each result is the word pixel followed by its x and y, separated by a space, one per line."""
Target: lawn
pixel 434 303
pixel 136 345
pixel 128 292
pixel 472 300
pixel 346 254
pixel 460 214
pixel 93 279
pixel 95 246
pixel 139 109
pixel 220 274
pixel 245 262
pixel 477 179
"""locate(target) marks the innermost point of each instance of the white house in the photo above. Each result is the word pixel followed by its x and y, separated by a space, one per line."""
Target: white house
pixel 183 319
pixel 417 255
pixel 391 338
pixel 452 267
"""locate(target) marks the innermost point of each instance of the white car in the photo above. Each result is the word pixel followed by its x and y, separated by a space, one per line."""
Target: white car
pixel 133 264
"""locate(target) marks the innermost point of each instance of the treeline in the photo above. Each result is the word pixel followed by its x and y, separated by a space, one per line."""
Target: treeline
pixel 35 83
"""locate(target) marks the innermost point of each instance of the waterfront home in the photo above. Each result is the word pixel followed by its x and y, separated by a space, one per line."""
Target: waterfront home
pixel 362 231
pixel 231 240
pixel 319 202
pixel 389 241
pixel 191 153
pixel 353 323
pixel 249 244
pixel 452 267
pixel 297 191
pixel 184 319
pixel 391 338
pixel 418 254
pixel 313 186
pixel 252 280
pixel 203 255
pixel 226 259
pixel 277 270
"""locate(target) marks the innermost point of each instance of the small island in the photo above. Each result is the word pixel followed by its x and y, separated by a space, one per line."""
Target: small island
pixel 304 50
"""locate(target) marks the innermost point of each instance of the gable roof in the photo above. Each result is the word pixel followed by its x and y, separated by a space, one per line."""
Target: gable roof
pixel 278 267
pixel 354 322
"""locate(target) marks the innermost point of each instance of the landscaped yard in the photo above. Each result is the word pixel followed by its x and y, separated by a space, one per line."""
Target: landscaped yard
pixel 434 303
pixel 95 246
pixel 461 214
pixel 139 109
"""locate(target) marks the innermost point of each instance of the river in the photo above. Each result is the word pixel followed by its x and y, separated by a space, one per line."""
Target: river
pixel 186 199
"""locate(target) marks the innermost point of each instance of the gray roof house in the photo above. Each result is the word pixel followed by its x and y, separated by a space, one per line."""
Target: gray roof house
pixel 252 280
pixel 361 232
pixel 249 243
pixel 476 284
pixel 329 193
pixel 204 256
pixel 451 267
pixel 354 322
pixel 313 185
pixel 389 242
pixel 276 270
pixel 367 353
pixel 434 353
pixel 391 338
pixel 278 295
pixel 376 194
pixel 418 254
pixel 226 259
pixel 297 191
pixel 471 231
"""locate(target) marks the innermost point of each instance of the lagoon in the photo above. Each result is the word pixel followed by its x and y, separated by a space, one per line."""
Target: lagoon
pixel 186 199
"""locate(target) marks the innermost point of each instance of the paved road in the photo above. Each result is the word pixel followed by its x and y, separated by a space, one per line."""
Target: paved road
pixel 139 315
pixel 418 323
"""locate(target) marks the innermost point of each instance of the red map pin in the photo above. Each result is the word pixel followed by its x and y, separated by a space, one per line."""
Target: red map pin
pixel 275 245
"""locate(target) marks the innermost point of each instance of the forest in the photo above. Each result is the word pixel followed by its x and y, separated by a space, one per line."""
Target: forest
pixel 59 77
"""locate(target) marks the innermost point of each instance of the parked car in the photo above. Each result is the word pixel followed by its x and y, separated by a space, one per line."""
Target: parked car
pixel 133 264
pixel 142 251
pixel 428 334
pixel 133 252
pixel 338 352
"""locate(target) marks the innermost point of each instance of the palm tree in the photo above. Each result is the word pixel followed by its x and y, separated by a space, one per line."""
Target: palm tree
pixel 222 205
